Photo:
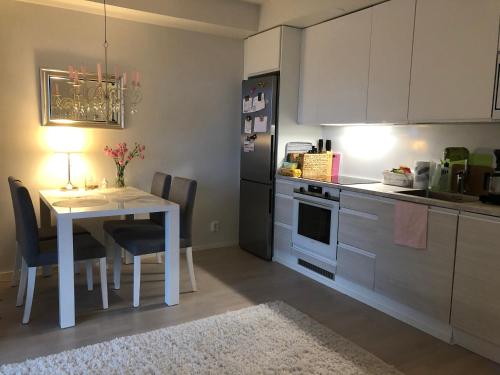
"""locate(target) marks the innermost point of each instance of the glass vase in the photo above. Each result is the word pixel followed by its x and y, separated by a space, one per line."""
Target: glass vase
pixel 120 176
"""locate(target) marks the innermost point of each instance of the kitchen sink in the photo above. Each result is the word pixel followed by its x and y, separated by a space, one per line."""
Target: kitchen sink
pixel 449 197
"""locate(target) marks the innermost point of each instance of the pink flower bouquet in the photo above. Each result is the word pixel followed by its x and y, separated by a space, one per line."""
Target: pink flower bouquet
pixel 122 156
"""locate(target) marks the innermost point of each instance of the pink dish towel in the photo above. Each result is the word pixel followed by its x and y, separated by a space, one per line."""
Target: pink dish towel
pixel 410 225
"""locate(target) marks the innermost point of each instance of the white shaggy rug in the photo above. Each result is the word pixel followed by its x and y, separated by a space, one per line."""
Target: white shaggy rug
pixel 272 338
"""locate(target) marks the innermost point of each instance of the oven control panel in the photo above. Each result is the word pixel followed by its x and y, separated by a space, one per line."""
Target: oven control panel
pixel 318 191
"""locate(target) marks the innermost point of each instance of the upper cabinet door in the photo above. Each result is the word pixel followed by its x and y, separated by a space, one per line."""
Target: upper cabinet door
pixel 312 49
pixel 262 53
pixel 334 71
pixel 390 61
pixel 454 55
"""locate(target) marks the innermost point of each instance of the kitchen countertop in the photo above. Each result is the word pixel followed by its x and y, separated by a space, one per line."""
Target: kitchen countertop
pixel 388 191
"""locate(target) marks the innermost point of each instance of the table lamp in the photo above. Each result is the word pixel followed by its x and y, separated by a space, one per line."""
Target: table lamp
pixel 68 141
pixel 69 185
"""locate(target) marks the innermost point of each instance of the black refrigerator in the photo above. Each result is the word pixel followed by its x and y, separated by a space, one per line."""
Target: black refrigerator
pixel 259 132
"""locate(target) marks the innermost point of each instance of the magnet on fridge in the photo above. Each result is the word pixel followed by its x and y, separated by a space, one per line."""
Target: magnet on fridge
pixel 260 124
pixel 248 125
pixel 248 146
pixel 247 104
pixel 259 102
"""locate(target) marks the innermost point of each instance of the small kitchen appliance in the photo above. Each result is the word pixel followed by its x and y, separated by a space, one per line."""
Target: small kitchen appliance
pixel 492 182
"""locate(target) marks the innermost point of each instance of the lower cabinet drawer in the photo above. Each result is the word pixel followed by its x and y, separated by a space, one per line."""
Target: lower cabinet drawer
pixel 358 229
pixel 282 240
pixel 356 265
pixel 283 209
pixel 286 187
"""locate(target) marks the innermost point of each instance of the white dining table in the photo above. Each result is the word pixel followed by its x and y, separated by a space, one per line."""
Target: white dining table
pixel 67 206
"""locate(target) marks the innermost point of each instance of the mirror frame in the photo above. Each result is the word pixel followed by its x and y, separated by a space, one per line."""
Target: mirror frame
pixel 46 97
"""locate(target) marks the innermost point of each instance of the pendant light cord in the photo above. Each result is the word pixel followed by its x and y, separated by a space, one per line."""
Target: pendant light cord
pixel 106 93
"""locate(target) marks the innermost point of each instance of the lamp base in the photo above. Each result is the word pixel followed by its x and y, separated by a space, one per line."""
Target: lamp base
pixel 69 187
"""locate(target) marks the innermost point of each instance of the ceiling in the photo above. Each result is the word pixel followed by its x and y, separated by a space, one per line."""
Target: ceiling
pixel 230 18
pixel 304 13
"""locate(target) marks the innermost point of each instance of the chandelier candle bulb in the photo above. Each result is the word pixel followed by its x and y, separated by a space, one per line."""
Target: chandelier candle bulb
pixel 92 99
pixel 99 73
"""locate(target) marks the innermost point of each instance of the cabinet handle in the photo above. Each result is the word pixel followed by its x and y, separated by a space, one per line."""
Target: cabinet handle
pixel 364 215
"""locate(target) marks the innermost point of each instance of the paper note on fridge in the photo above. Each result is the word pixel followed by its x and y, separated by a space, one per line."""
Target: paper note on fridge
pixel 248 146
pixel 260 124
pixel 248 126
pixel 247 104
pixel 259 102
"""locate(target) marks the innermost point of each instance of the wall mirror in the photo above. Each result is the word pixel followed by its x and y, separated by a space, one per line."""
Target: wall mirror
pixel 80 100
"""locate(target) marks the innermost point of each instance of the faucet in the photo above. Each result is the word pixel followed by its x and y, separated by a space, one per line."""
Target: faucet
pixel 461 176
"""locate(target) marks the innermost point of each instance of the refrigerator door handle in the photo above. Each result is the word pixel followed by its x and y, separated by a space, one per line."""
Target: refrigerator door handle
pixel 271 172
pixel 270 200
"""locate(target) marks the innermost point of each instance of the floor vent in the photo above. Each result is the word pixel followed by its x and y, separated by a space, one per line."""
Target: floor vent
pixel 316 269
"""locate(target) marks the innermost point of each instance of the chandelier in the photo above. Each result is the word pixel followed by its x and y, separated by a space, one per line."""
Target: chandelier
pixel 98 97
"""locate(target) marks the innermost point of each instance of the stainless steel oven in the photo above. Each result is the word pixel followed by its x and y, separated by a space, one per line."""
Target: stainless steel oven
pixel 315 225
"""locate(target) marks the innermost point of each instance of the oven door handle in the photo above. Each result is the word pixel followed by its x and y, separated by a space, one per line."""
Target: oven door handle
pixel 316 202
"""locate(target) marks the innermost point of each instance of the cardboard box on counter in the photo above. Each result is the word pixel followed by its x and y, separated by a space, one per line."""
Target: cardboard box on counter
pixel 316 166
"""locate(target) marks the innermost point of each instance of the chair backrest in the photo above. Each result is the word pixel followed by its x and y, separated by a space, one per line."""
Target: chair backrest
pixel 11 180
pixel 26 224
pixel 161 188
pixel 183 192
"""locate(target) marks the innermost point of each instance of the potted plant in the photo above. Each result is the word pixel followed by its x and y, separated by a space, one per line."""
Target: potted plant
pixel 122 156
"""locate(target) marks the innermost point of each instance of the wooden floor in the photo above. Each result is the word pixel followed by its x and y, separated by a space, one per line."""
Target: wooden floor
pixel 229 279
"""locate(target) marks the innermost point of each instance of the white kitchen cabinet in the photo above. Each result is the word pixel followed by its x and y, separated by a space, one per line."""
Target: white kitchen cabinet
pixel 476 292
pixel 283 219
pixel 262 53
pixel 283 209
pixel 454 55
pixel 282 248
pixel 355 265
pixel 420 279
pixel 334 70
pixel 390 61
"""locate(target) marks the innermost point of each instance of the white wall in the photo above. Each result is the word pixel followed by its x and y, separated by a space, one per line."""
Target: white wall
pixel 188 120
pixel 368 150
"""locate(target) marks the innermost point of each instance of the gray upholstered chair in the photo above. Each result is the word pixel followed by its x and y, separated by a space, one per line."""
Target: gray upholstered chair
pixel 160 187
pixel 37 253
pixel 49 233
pixel 141 240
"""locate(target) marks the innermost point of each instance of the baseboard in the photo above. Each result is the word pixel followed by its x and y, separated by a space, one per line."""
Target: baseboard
pixel 5 276
pixel 215 245
pixel 401 312
pixel 476 345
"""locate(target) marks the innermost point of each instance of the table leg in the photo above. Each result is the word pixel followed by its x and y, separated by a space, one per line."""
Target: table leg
pixel 172 256
pixel 46 222
pixel 66 272
pixel 128 259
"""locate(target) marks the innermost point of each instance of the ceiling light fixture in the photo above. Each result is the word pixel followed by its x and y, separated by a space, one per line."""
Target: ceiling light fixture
pixel 103 100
